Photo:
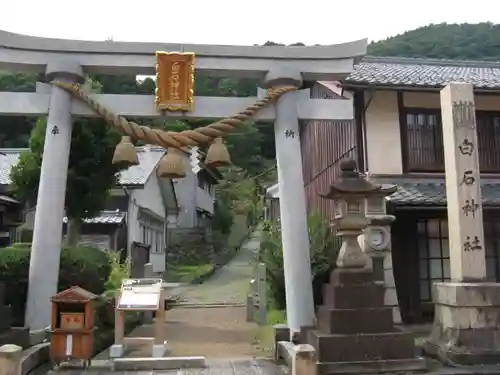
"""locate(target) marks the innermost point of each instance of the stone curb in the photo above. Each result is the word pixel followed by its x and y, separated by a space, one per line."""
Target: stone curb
pixel 34 357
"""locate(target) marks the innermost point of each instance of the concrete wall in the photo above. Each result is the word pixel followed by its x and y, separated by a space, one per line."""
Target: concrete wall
pixel 383 140
pixel 190 197
pixel 383 136
pixel 185 190
pixel 148 198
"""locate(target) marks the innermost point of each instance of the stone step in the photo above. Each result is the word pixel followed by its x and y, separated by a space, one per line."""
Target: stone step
pixel 362 347
pixel 397 366
pixel 350 321
pixel 353 296
pixel 351 277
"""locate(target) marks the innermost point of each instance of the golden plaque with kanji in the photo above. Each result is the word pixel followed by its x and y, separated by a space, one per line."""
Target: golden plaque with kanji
pixel 174 81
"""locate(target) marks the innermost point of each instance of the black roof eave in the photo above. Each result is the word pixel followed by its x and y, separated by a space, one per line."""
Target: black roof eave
pixel 423 206
pixel 399 87
pixel 110 224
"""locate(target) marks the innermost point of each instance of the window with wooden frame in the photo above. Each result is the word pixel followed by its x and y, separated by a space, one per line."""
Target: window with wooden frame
pixel 142 231
pixel 159 243
pixel 434 252
pixel 423 149
pixel 488 133
pixel 492 248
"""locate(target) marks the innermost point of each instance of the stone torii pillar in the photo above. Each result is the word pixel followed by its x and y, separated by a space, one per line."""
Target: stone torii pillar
pixel 293 213
pixel 467 309
pixel 47 235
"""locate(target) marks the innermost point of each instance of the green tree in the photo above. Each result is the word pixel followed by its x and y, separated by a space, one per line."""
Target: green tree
pixel 90 172
pixel 17 82
pixel 444 41
pixel 15 130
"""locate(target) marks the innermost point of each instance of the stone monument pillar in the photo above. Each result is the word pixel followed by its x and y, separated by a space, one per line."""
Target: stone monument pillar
pixel 47 234
pixel 293 213
pixel 467 309
pixel 355 332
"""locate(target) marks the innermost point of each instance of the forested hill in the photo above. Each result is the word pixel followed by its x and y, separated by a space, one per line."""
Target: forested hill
pixel 444 41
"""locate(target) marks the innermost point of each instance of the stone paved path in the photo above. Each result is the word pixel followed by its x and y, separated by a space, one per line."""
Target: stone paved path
pixel 214 367
pixel 229 284
pixel 211 318
pixel 197 327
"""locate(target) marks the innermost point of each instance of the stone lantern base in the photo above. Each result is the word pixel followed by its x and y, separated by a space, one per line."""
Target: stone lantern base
pixel 355 332
pixel 466 327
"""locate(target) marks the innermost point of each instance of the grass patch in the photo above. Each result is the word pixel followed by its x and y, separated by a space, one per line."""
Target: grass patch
pixel 276 317
pixel 178 273
pixel 264 338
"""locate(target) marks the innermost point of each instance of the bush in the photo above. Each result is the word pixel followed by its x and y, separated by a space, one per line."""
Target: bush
pixel 324 249
pixel 223 217
pixel 84 266
pixel 118 271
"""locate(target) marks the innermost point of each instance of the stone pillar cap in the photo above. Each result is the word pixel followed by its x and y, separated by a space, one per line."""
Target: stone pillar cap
pixel 10 348
pixel 65 68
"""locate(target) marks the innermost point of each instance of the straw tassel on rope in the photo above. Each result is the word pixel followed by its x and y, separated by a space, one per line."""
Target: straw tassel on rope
pixel 125 155
pixel 218 155
pixel 171 165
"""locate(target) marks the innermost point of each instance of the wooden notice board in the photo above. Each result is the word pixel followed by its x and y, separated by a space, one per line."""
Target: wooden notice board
pixel 140 294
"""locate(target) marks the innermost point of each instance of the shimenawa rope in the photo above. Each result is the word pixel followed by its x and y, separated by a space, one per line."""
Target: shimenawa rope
pixel 200 136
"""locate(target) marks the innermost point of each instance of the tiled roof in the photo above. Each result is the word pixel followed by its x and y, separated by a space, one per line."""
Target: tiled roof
pixel 105 217
pixel 9 158
pixel 434 194
pixel 136 175
pixel 424 72
pixel 7 199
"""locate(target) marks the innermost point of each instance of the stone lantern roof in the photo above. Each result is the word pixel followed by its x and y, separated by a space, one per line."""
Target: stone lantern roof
pixel 351 182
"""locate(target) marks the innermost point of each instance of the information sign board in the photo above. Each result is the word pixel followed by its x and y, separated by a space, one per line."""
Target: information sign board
pixel 140 294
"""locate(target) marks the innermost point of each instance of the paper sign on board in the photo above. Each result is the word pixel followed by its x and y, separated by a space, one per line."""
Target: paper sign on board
pixel 140 294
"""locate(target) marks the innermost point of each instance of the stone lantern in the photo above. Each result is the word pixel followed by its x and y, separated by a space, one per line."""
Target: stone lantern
pixel 354 331
pixel 354 195
pixel 376 239
pixel 377 235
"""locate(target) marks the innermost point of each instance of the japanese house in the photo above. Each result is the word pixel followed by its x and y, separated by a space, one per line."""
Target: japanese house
pixel 142 208
pixel 136 211
pixel 396 137
pixel 196 196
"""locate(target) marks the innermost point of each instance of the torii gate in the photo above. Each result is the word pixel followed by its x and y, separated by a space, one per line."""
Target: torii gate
pixel 66 61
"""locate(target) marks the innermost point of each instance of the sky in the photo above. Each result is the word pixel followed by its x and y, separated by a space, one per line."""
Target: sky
pixel 235 22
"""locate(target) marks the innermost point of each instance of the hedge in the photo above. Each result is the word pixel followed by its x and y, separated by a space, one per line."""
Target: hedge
pixel 86 267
